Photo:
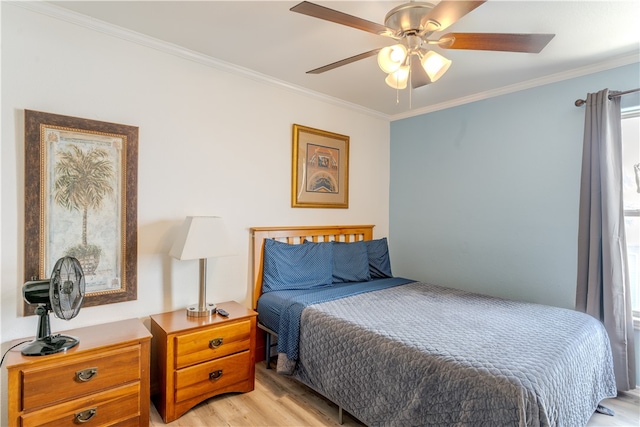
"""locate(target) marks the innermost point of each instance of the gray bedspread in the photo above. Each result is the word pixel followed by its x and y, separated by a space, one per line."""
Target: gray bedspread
pixel 420 354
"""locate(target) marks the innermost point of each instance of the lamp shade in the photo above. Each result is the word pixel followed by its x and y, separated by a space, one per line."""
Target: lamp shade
pixel 202 237
pixel 435 65
pixel 399 78
pixel 391 58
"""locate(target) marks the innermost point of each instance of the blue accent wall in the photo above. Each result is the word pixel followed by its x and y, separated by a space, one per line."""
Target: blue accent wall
pixel 484 196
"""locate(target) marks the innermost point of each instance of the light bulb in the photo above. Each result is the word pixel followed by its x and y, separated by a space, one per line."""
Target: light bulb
pixel 435 65
pixel 391 58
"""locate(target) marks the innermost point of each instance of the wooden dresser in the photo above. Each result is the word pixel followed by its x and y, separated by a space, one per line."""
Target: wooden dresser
pixel 104 380
pixel 195 358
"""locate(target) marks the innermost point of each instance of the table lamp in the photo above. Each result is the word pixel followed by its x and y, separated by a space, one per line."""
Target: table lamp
pixel 202 237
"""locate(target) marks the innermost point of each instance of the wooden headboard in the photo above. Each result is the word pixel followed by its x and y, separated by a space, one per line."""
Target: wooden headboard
pixel 296 235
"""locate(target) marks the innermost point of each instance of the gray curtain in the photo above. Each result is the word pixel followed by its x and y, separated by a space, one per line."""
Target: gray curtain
pixel 603 289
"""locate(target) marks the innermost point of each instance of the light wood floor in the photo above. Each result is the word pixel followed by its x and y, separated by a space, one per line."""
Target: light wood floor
pixel 281 401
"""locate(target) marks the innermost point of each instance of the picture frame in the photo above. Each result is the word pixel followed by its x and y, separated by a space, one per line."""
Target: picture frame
pixel 81 200
pixel 320 169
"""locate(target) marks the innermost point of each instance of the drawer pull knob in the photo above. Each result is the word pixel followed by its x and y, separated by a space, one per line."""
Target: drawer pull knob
pixel 85 416
pixel 215 375
pixel 86 374
pixel 215 343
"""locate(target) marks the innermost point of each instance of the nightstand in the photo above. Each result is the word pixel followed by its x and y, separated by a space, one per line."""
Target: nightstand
pixel 195 358
pixel 104 380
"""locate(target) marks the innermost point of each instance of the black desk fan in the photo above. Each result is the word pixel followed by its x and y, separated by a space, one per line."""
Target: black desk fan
pixel 63 293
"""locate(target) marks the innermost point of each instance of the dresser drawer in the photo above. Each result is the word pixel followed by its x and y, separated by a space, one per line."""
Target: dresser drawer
pixel 211 343
pixel 120 406
pixel 79 376
pixel 217 374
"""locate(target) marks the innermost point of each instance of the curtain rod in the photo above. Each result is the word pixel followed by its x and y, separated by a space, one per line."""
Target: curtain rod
pixel 580 102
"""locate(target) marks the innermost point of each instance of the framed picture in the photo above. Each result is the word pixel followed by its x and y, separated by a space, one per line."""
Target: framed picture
pixel 320 173
pixel 81 201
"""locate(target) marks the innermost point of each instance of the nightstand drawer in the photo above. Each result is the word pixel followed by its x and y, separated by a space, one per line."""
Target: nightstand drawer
pixel 120 406
pixel 79 376
pixel 211 343
pixel 217 374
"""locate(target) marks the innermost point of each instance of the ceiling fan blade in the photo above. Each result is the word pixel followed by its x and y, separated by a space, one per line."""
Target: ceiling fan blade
pixel 449 11
pixel 344 61
pixel 419 76
pixel 321 12
pixel 528 43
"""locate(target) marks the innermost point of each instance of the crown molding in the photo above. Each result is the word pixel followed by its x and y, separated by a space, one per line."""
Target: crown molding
pixel 552 78
pixel 85 21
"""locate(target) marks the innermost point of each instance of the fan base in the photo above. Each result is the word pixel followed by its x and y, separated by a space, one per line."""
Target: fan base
pixel 49 345
pixel 208 310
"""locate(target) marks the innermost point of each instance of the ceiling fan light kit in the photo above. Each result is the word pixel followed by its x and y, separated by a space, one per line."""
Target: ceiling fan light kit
pixel 411 24
pixel 392 58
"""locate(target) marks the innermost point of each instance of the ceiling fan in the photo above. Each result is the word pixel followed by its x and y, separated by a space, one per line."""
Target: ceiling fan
pixel 411 24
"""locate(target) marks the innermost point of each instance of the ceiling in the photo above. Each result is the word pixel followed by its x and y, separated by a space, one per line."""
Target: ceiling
pixel 270 42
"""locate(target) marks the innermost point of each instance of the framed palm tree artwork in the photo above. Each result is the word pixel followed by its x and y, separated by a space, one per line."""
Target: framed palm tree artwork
pixel 81 201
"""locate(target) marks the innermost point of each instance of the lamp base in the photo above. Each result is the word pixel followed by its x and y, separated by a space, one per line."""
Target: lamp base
pixel 195 311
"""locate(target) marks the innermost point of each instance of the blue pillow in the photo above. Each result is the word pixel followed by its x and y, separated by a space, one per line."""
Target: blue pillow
pixel 379 263
pixel 350 262
pixel 296 266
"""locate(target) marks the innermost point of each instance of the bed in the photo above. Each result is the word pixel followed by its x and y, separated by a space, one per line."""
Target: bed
pixel 393 351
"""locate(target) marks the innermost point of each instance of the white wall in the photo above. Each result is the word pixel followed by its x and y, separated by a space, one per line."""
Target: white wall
pixel 210 142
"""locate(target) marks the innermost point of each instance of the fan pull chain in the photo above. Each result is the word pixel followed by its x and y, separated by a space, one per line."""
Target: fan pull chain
pixel 410 90
pixel 410 82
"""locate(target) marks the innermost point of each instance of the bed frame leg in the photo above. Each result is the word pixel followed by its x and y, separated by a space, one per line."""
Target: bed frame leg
pixel 267 349
pixel 268 343
pixel 340 420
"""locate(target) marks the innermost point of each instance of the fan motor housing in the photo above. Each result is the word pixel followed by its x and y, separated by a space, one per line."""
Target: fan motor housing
pixel 409 18
pixel 36 292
